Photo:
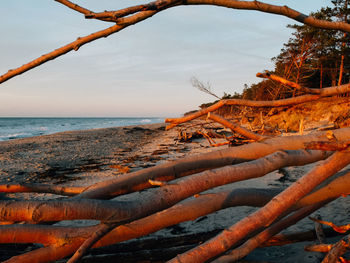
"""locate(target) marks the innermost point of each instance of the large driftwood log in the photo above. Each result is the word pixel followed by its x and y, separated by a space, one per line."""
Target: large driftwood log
pixel 156 200
pixel 267 146
pixel 266 215
pixel 265 235
pixel 168 171
pixel 189 210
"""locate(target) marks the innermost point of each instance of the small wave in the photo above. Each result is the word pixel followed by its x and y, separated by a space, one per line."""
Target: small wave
pixel 14 136
pixel 145 121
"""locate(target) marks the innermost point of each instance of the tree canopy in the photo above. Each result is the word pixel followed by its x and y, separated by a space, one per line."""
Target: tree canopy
pixel 312 57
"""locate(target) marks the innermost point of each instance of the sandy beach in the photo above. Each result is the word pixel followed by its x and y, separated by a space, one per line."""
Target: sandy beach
pixel 82 158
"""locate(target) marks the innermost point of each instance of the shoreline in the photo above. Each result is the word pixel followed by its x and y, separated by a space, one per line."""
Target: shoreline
pixel 19 128
pixel 70 152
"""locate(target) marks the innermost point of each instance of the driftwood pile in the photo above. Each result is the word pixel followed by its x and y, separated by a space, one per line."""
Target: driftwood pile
pixel 157 208
pixel 30 221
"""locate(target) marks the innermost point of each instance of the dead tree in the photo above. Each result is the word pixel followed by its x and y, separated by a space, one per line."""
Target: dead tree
pixel 160 206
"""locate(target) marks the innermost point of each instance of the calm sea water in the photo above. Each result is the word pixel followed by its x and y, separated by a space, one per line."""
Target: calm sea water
pixel 14 128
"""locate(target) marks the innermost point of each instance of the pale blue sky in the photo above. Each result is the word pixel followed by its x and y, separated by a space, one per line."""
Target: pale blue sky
pixel 144 70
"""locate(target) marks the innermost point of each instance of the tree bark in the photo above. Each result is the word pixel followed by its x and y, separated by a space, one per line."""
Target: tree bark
pixel 266 215
pixel 156 200
pixel 254 242
pixel 185 211
pixel 192 164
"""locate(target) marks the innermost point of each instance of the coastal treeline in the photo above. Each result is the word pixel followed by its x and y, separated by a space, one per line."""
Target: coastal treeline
pixel 312 57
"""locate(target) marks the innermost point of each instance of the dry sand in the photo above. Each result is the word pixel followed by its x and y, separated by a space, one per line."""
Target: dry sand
pixel 86 157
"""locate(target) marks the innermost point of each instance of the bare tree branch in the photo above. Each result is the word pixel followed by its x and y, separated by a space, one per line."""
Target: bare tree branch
pixel 155 7
pixel 281 80
pixel 199 85
pixel 274 9
pixel 75 7
pixel 236 128
pixel 75 45
pixel 88 243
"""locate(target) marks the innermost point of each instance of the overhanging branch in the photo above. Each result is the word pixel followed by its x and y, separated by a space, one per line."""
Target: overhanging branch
pixel 135 14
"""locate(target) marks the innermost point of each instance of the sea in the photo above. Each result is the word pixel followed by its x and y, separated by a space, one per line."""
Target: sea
pixel 15 128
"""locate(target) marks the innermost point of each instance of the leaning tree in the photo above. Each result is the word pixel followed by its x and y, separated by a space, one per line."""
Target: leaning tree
pixel 160 205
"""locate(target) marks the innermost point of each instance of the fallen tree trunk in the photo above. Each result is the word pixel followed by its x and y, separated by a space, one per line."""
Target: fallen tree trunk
pixel 189 165
pixel 266 215
pixel 252 243
pixel 156 200
pixel 189 210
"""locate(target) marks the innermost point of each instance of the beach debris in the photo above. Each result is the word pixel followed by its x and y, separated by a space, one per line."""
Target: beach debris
pixel 339 229
pixel 122 169
pixel 323 248
pixel 319 229
pixel 159 152
pixel 334 251
pixel 184 136
pixel 302 236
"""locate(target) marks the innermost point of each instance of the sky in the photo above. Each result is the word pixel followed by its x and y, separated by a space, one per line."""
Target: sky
pixel 141 71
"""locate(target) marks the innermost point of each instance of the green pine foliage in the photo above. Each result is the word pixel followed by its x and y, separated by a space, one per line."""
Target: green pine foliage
pixel 311 57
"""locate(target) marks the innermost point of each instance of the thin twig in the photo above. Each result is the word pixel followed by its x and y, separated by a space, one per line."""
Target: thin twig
pixel 75 7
